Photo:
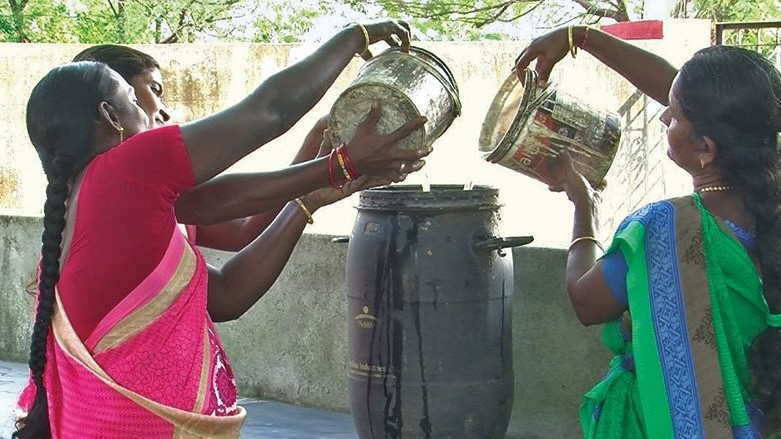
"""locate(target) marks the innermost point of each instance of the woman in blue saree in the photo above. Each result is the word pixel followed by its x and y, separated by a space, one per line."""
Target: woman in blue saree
pixel 689 290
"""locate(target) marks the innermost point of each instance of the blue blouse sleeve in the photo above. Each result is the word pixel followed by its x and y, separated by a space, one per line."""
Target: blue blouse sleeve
pixel 614 269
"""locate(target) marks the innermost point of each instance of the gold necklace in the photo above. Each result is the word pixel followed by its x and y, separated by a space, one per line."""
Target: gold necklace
pixel 719 188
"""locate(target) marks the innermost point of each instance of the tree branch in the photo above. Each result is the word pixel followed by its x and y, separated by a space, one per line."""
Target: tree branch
pixel 619 13
pixel 114 11
pixel 528 11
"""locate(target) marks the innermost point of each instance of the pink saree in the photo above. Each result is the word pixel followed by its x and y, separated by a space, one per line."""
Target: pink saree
pixel 153 367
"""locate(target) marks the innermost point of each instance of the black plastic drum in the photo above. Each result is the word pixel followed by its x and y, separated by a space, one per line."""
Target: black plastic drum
pixel 429 306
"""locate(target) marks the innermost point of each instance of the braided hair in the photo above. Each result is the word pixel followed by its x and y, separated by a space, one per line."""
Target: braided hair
pixel 733 96
pixel 61 116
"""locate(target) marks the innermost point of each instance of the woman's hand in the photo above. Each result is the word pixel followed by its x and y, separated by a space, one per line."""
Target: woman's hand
pixel 385 31
pixel 564 178
pixel 547 49
pixel 312 142
pixel 378 156
pixel 329 195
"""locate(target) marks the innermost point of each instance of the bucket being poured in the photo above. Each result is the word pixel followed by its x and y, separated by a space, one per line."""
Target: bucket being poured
pixel 526 127
pixel 407 85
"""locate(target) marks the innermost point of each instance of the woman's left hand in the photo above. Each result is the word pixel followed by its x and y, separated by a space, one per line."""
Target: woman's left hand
pixel 312 142
pixel 564 178
pixel 547 50
pixel 329 195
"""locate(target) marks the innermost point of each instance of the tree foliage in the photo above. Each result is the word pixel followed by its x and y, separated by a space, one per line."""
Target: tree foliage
pixel 728 10
pixel 464 18
pixel 117 21
pixel 285 21
pixel 171 21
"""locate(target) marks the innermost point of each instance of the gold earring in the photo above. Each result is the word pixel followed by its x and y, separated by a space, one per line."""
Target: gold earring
pixel 121 134
pixel 702 163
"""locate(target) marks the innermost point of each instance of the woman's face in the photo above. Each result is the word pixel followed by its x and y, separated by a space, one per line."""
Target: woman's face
pixel 681 139
pixel 149 90
pixel 131 116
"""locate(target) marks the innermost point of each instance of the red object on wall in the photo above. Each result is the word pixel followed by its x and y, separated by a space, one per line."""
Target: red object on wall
pixel 636 30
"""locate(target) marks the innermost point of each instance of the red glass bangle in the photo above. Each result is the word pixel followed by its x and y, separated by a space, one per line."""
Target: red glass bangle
pixel 342 165
pixel 342 151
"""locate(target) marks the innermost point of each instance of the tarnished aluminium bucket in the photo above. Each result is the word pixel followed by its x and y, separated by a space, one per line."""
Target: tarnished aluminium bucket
pixel 429 293
pixel 526 127
pixel 407 85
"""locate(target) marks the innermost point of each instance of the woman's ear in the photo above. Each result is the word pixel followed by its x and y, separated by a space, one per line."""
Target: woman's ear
pixel 107 114
pixel 709 151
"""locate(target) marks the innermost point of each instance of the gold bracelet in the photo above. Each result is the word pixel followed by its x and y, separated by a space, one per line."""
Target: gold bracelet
pixel 573 50
pixel 342 165
pixel 585 238
pixel 366 40
pixel 308 214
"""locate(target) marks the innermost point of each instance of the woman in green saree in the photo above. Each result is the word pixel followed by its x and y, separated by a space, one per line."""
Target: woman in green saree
pixel 690 288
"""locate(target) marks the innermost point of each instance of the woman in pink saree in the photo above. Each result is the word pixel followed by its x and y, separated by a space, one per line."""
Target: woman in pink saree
pixel 123 344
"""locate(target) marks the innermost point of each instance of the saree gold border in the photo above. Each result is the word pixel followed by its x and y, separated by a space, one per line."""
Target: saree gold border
pixel 139 319
pixel 200 397
pixel 187 424
pixel 697 308
pixel 202 385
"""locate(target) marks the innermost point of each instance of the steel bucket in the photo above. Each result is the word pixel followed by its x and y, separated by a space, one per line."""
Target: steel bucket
pixel 407 85
pixel 526 128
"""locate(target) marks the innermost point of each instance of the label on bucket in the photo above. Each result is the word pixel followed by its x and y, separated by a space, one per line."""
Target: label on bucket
pixel 559 123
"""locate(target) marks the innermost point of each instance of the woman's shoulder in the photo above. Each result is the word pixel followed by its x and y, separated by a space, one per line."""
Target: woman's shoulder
pixel 154 158
pixel 661 210
pixel 164 134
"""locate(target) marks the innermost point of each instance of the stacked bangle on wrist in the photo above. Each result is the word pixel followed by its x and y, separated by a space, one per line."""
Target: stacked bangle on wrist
pixel 345 163
pixel 341 151
pixel 331 178
pixel 342 164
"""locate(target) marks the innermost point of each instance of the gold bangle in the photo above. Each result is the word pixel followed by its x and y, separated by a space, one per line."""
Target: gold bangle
pixel 366 40
pixel 342 165
pixel 308 214
pixel 585 238
pixel 573 50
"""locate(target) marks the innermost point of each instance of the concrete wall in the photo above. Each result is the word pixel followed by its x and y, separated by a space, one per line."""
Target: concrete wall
pixel 291 346
pixel 202 78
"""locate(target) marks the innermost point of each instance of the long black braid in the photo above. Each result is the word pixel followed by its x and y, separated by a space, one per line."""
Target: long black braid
pixel 733 96
pixel 61 116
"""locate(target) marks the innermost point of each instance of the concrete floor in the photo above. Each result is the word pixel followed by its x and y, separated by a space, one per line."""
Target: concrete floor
pixel 265 419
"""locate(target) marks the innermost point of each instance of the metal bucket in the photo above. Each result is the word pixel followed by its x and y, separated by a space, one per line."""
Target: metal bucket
pixel 526 128
pixel 407 85
pixel 429 302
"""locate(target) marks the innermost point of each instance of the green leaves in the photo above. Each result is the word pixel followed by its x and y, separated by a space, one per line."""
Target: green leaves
pixel 288 21
pixel 116 21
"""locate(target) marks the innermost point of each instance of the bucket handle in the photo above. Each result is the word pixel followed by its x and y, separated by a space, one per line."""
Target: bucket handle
pixel 498 243
pixel 340 239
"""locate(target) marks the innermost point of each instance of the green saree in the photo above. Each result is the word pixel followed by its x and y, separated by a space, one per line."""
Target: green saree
pixel 696 305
